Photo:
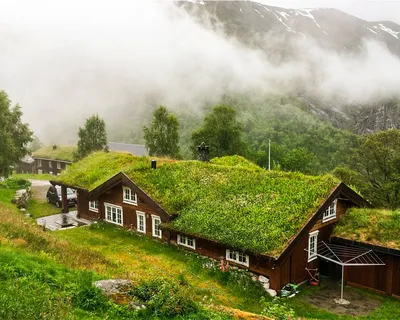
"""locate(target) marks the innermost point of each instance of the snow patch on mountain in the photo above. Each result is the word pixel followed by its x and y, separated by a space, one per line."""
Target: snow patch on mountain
pixel 390 31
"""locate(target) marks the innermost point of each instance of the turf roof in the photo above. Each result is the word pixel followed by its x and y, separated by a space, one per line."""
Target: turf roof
pixel 62 152
pixel 242 206
pixel 373 226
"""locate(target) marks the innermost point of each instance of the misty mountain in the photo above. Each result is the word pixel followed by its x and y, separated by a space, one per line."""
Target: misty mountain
pixel 276 31
pixel 255 24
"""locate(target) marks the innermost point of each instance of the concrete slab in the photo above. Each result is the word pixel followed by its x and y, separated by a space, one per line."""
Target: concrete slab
pixel 57 221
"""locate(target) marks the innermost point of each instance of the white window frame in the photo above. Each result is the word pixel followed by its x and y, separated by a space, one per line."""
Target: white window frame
pixel 58 165
pixel 312 238
pixel 154 219
pixel 113 206
pixel 237 257
pixel 184 241
pixel 140 214
pixel 330 212
pixel 39 162
pixel 94 205
pixel 132 194
pixel 40 171
pixel 50 164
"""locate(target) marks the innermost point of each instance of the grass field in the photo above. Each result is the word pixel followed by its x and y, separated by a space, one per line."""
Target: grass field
pixel 32 176
pixel 43 273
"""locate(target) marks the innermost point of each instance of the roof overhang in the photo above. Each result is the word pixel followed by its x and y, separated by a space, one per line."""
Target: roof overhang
pixel 57 183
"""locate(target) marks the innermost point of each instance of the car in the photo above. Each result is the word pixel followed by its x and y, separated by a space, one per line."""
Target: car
pixel 53 195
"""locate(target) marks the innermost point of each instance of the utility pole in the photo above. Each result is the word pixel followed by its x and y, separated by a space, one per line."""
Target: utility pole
pixel 269 155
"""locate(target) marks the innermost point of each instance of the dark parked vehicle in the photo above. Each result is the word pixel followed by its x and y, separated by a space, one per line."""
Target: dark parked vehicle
pixel 54 196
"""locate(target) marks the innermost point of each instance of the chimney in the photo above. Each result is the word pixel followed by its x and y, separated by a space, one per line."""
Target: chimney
pixel 54 147
pixel 203 152
pixel 154 164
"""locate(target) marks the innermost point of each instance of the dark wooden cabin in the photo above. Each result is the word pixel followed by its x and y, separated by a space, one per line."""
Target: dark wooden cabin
pixel 123 201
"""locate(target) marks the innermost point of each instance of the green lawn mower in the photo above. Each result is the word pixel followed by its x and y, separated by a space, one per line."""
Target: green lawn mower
pixel 289 290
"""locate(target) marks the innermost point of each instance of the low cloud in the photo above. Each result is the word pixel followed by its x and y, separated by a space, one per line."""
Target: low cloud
pixel 119 59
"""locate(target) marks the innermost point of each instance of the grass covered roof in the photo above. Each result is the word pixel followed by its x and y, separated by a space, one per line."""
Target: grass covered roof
pixel 62 152
pixel 374 226
pixel 243 205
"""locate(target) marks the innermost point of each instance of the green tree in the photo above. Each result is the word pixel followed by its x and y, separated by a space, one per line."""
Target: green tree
pixel 92 137
pixel 162 136
pixel 35 144
pixel 376 168
pixel 14 135
pixel 221 132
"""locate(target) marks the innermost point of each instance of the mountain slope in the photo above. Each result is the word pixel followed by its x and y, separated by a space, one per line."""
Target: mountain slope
pixel 252 23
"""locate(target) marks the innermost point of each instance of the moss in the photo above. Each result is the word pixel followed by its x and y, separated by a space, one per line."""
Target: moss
pixel 60 153
pixel 375 226
pixel 243 206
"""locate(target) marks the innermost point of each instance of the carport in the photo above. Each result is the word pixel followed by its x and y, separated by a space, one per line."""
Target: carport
pixel 347 256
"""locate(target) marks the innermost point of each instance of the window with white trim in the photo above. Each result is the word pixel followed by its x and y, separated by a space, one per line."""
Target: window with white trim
pixel 94 205
pixel 141 221
pixel 58 165
pixel 113 214
pixel 312 246
pixel 40 171
pixel 156 221
pixel 237 257
pixel 330 213
pixel 186 241
pixel 39 162
pixel 50 164
pixel 130 196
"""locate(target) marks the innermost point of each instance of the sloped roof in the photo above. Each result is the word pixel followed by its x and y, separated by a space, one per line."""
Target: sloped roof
pixel 134 149
pixel 62 152
pixel 372 226
pixel 245 207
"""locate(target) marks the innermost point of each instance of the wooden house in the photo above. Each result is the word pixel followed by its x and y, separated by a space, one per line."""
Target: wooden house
pixel 52 159
pixel 229 209
pixel 25 165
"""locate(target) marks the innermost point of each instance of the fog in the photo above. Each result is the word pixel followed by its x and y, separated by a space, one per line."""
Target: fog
pixel 63 62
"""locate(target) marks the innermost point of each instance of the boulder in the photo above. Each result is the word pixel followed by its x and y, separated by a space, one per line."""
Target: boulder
pixel 271 292
pixel 263 279
pixel 266 286
pixel 114 287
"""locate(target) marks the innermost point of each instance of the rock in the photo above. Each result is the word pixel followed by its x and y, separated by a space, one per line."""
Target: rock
pixel 271 292
pixel 136 304
pixel 113 287
pixel 266 286
pixel 263 279
pixel 254 278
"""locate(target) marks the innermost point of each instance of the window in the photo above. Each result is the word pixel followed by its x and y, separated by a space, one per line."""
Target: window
pixel 40 171
pixel 114 214
pixel 312 246
pixel 129 196
pixel 186 241
pixel 94 205
pixel 237 257
pixel 156 226
pixel 58 165
pixel 50 164
pixel 141 221
pixel 330 213
pixel 39 162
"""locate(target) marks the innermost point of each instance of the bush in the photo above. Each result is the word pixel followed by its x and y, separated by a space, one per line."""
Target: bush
pixel 16 183
pixel 165 298
pixel 276 309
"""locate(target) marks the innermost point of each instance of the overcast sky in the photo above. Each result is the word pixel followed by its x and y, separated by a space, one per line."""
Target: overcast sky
pixel 365 9
pixel 16 11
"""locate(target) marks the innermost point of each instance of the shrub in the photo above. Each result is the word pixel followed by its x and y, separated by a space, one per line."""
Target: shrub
pixel 16 183
pixel 165 298
pixel 276 309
